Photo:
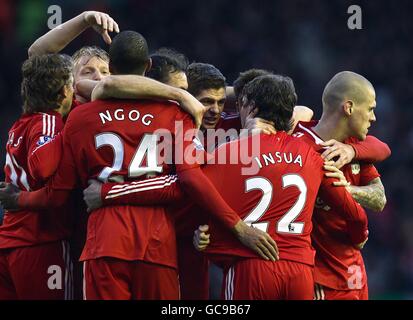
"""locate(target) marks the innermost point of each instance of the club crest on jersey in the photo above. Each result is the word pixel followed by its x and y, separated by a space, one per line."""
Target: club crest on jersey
pixel 355 168
pixel 320 204
pixel 43 140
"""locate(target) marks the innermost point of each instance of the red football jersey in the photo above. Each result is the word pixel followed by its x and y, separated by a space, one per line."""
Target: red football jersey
pixel 229 120
pixel 187 219
pixel 278 198
pixel 115 140
pixel 26 165
pixel 227 129
pixel 339 265
pixel 296 165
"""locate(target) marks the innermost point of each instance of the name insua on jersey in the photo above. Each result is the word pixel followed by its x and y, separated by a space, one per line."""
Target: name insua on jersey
pixel 266 159
pixel 122 115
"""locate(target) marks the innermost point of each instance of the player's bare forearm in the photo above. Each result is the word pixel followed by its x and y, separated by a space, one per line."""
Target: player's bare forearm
pixel 301 113
pixel 85 88
pixel 139 87
pixel 372 196
pixel 134 87
pixel 58 38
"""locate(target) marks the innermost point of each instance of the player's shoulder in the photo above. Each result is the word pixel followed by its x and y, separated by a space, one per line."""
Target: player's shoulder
pixel 229 120
pixel 305 127
pixel 351 140
pixel 294 141
pixel 83 112
pixel 302 146
pixel 229 115
pixel 48 122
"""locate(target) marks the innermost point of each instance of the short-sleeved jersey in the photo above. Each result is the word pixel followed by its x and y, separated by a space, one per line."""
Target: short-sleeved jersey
pixel 27 138
pixel 117 140
pixel 278 197
pixel 339 265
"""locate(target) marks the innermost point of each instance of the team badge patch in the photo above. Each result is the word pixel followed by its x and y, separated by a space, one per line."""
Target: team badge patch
pixel 355 168
pixel 43 140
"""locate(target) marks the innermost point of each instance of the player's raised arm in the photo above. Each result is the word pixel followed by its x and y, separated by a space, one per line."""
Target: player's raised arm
pixel 58 38
pixel 301 113
pixel 139 87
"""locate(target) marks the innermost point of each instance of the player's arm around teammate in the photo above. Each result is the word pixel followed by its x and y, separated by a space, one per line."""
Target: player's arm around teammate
pixel 139 87
pixel 371 196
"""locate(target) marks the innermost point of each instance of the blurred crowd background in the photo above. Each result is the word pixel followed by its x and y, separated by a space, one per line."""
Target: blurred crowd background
pixel 306 40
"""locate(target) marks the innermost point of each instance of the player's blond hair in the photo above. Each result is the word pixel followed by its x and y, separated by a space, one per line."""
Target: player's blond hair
pixel 90 51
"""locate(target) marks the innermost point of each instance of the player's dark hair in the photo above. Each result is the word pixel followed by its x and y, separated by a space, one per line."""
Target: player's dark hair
pixel 203 76
pixel 275 98
pixel 128 53
pixel 166 61
pixel 245 77
pixel 44 77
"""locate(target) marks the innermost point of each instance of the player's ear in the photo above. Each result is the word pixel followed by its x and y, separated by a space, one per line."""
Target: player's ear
pixel 67 90
pixel 148 65
pixel 252 108
pixel 348 107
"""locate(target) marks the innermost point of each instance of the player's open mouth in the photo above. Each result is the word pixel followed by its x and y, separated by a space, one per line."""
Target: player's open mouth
pixel 210 120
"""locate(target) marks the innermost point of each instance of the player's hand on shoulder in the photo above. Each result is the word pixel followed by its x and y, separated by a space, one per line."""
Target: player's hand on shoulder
pixel 92 195
pixel 201 238
pixel 344 152
pixel 102 23
pixel 258 241
pixel 192 105
pixel 9 195
pixel 259 125
pixel 333 172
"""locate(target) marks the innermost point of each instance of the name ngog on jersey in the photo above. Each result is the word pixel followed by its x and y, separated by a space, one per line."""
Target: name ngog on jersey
pixel 121 115
pixel 267 159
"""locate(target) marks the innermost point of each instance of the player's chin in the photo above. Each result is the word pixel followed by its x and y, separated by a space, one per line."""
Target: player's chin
pixel 209 125
pixel 362 136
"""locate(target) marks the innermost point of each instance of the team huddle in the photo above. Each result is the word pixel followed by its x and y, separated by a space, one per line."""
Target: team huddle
pixel 129 173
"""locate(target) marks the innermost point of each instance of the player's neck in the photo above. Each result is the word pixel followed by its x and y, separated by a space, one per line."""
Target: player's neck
pixel 329 128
